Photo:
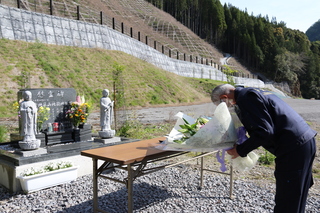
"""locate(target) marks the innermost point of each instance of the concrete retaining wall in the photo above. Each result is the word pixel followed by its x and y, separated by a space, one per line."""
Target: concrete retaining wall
pixel 16 24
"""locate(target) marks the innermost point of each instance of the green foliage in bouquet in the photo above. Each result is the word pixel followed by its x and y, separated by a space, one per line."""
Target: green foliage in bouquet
pixel 188 130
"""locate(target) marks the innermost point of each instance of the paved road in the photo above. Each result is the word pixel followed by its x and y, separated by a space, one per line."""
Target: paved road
pixel 308 109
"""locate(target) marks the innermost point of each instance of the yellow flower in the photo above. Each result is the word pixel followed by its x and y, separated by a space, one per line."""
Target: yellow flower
pixel 43 115
pixel 16 105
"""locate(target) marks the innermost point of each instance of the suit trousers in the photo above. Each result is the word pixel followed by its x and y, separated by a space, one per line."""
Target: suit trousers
pixel 293 175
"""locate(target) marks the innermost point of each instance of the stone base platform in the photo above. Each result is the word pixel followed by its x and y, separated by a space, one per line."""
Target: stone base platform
pixel 108 140
pixel 30 153
pixel 13 163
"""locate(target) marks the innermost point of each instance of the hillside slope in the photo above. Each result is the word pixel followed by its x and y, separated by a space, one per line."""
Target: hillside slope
pixel 140 16
pixel 89 71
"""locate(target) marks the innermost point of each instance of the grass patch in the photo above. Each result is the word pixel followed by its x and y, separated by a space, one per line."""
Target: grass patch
pixel 89 71
pixel 3 134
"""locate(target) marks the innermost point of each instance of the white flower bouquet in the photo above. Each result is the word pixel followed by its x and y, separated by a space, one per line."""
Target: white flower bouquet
pixel 202 135
pixel 206 135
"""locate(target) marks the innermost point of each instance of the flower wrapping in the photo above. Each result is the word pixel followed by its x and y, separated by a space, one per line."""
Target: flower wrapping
pixel 244 163
pixel 218 133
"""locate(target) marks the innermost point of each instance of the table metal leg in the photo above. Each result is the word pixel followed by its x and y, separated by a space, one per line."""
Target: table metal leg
pixel 231 181
pixel 130 188
pixel 95 185
pixel 201 172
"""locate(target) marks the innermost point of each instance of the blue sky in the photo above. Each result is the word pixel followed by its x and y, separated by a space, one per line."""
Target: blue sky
pixel 297 14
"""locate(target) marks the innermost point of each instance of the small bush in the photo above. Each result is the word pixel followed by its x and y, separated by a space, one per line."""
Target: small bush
pixel 3 134
pixel 267 158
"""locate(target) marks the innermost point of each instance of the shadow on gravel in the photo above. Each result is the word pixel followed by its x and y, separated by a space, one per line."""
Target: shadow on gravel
pixel 116 202
pixel 145 195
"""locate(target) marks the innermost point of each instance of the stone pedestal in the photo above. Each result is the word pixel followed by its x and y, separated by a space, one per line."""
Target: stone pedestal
pixel 108 140
pixel 107 134
pixel 15 137
pixel 30 145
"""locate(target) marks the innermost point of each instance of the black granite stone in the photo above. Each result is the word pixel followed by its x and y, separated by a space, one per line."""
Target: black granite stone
pixel 57 99
pixel 42 137
pixel 84 133
pixel 58 137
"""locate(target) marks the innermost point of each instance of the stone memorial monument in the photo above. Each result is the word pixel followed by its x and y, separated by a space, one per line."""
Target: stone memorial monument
pixel 106 113
pixel 57 99
pixel 28 112
pixel 58 129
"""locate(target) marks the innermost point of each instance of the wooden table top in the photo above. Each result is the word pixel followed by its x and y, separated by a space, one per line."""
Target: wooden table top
pixel 128 153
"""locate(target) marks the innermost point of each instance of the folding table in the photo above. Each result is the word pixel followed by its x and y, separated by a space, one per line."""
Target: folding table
pixel 134 158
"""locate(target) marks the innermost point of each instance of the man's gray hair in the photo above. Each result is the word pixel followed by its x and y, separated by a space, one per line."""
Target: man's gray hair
pixel 223 89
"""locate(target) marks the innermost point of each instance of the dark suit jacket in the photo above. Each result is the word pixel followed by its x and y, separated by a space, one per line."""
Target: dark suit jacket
pixel 270 122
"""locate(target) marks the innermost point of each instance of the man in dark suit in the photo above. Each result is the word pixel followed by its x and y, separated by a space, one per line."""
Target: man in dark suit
pixel 274 125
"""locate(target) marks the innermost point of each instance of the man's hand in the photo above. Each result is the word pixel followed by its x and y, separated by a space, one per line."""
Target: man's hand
pixel 233 152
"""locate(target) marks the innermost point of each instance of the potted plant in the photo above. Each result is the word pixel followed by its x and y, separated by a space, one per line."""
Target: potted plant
pixel 51 175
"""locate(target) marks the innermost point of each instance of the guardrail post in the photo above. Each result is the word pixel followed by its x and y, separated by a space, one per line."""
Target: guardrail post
pixel 51 7
pixel 78 12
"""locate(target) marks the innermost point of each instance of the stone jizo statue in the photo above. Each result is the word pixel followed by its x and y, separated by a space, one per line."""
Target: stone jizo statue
pixel 106 113
pixel 106 109
pixel 28 113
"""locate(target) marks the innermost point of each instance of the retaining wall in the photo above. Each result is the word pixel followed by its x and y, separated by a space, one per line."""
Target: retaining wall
pixel 17 24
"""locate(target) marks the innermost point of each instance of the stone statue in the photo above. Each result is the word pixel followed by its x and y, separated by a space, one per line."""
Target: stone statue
pixel 28 113
pixel 106 113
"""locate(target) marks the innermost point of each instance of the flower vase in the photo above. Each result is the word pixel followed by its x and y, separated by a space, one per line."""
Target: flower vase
pixel 39 127
pixel 76 126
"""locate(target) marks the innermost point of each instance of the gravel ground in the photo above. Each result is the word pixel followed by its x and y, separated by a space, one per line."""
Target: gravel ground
pixel 173 189
pixel 170 190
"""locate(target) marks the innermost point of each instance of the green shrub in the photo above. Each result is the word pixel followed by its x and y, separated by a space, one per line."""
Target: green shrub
pixel 267 158
pixel 3 134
